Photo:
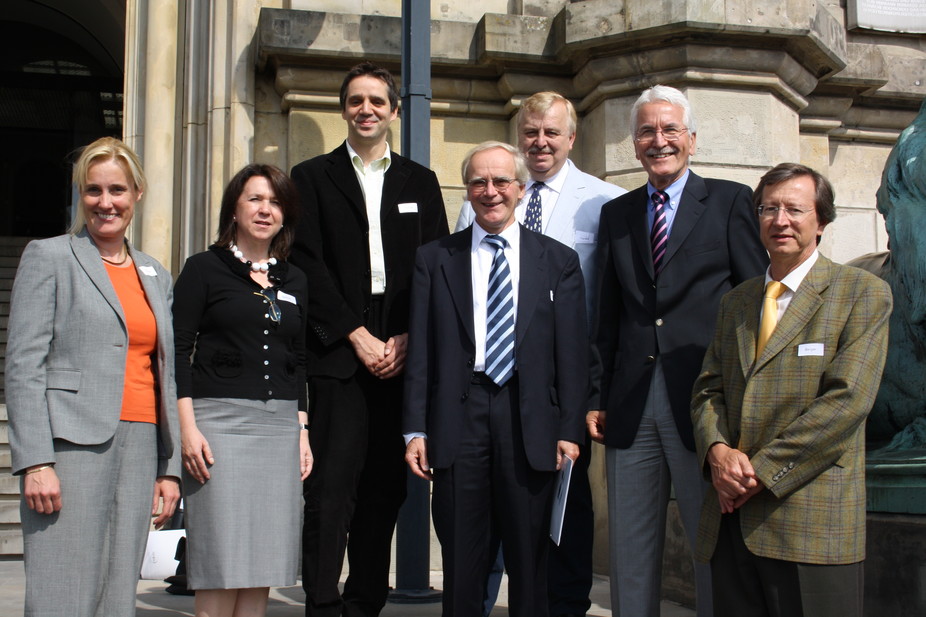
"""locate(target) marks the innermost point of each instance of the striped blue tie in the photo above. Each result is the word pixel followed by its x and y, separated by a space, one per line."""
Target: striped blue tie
pixel 659 235
pixel 499 316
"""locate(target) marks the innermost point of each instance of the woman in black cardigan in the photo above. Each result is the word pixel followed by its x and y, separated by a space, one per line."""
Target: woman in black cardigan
pixel 239 324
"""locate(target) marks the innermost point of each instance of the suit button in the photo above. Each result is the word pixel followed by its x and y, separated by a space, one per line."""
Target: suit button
pixel 650 359
pixel 659 322
pixel 464 396
pixel 470 362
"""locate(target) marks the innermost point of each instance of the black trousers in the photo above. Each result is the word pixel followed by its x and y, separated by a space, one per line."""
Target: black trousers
pixel 358 484
pixel 491 490
pixel 746 585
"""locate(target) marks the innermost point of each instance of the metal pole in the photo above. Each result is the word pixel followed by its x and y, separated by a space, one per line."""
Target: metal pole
pixel 413 531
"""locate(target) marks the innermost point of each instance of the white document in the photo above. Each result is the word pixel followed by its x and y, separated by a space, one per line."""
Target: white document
pixel 563 476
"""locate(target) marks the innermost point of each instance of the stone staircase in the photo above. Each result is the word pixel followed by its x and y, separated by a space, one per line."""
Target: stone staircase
pixel 11 544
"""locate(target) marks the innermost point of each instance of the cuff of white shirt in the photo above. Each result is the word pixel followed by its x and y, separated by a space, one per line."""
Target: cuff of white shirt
pixel 409 436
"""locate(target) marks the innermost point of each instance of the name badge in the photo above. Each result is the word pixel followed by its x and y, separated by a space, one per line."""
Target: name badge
pixel 408 208
pixel 285 297
pixel 148 270
pixel 584 237
pixel 810 349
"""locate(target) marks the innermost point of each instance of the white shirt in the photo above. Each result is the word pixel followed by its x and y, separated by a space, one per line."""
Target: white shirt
pixel 371 183
pixel 549 194
pixel 792 281
pixel 481 256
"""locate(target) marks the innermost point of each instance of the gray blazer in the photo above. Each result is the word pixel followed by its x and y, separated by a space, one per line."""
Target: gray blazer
pixel 65 359
pixel 574 222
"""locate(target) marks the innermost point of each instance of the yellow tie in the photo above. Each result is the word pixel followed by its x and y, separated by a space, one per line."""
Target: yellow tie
pixel 769 314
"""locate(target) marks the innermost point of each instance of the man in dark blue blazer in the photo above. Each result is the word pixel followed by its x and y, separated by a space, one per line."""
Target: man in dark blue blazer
pixel 491 427
pixel 365 210
pixel 670 249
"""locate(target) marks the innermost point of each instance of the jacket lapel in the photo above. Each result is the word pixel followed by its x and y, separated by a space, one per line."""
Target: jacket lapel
pixel 532 283
pixel 561 225
pixel 638 224
pixel 747 324
pixel 690 207
pixel 342 174
pixel 804 305
pixel 458 277
pixel 395 178
pixel 89 259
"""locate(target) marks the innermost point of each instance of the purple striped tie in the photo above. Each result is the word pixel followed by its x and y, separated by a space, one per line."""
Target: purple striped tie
pixel 659 236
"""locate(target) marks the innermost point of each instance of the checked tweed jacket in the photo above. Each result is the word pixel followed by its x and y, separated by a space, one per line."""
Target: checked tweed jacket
pixel 798 412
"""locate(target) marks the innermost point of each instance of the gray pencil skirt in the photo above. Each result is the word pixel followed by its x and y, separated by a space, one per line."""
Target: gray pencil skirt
pixel 243 523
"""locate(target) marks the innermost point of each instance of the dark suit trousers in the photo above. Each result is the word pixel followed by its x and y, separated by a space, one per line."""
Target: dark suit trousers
pixel 491 489
pixel 746 585
pixel 353 494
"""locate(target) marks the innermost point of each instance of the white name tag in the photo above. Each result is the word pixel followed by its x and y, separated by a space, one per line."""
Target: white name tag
pixel 408 208
pixel 584 237
pixel 148 270
pixel 810 349
pixel 285 297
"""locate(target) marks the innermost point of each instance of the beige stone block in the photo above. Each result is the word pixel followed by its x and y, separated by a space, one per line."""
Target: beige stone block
pixel 743 128
pixel 501 35
pixel 815 152
pixel 6 458
pixel 853 233
pixel 855 172
pixel 613 124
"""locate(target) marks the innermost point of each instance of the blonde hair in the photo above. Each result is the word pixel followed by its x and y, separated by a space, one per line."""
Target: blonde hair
pixel 105 149
pixel 541 102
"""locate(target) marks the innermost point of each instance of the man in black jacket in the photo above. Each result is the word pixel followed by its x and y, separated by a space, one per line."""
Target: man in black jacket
pixel 365 210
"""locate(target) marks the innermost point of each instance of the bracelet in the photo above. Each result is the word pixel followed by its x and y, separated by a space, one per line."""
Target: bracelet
pixel 38 469
pixel 303 427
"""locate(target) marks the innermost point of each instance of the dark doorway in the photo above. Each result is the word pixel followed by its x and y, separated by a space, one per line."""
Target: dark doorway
pixel 54 97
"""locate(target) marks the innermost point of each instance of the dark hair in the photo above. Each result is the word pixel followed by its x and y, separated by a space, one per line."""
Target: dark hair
pixel 824 200
pixel 285 191
pixel 368 68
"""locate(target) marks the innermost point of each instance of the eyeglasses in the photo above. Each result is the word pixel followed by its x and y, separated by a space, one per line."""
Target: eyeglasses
pixel 771 212
pixel 671 133
pixel 269 295
pixel 479 185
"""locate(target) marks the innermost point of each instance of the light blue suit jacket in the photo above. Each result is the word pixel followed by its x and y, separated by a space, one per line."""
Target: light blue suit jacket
pixel 574 222
pixel 65 359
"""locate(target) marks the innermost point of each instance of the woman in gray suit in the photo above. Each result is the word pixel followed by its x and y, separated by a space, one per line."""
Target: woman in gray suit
pixel 91 398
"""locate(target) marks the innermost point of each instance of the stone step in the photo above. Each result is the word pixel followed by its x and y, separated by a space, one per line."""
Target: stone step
pixel 11 542
pixel 9 485
pixel 9 511
pixel 5 458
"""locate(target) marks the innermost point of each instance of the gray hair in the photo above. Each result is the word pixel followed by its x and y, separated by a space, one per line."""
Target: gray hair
pixel 669 95
pixel 520 165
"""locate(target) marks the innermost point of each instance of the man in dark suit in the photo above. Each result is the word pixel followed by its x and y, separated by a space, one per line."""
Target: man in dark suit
pixel 779 415
pixel 496 385
pixel 670 250
pixel 564 203
pixel 365 210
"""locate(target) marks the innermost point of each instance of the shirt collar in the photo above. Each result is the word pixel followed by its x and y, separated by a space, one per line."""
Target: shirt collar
pixel 382 163
pixel 555 182
pixel 674 190
pixel 795 277
pixel 512 234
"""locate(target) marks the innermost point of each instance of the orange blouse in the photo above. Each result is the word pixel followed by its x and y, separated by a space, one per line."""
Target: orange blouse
pixel 139 398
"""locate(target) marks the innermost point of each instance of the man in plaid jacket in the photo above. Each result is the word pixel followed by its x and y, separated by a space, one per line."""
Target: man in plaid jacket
pixel 779 418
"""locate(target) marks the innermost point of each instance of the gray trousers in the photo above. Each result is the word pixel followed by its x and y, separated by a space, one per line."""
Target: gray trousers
pixel 84 560
pixel 639 481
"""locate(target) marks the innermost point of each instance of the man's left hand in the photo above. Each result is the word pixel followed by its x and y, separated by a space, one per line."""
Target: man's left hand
pixel 393 363
pixel 566 448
